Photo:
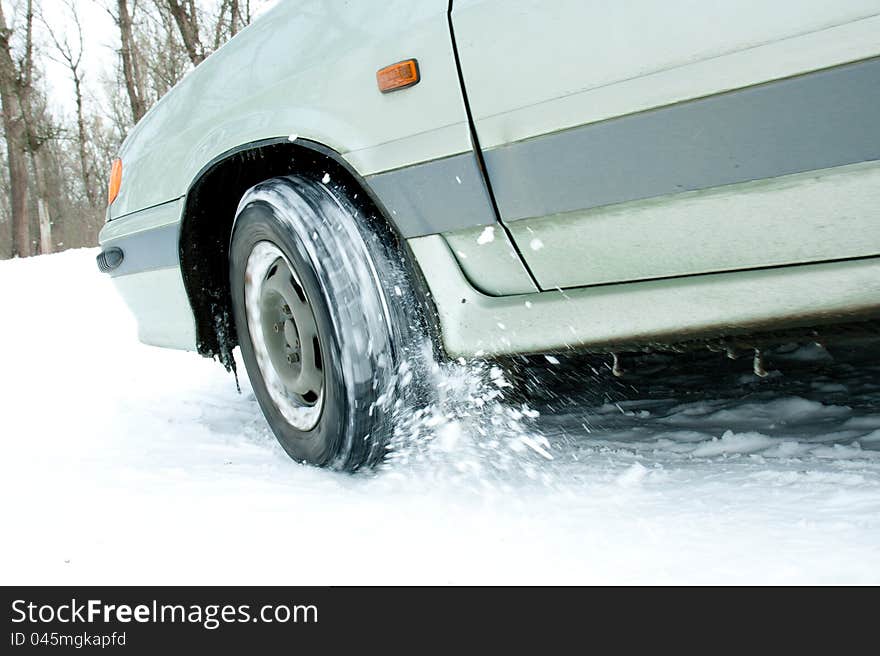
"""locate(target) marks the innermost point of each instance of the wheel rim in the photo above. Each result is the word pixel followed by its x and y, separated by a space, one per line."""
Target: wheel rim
pixel 284 335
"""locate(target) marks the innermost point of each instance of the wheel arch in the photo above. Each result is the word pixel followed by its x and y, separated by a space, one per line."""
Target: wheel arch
pixel 208 217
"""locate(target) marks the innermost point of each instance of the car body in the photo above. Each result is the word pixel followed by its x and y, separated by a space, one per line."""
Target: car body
pixel 565 175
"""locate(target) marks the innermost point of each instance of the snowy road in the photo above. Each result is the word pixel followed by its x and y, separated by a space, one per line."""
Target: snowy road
pixel 129 464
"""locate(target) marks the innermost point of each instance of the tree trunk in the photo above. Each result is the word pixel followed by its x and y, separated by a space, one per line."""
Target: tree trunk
pixel 16 146
pixel 92 193
pixel 45 227
pixel 45 221
pixel 187 20
pixel 133 85
pixel 18 181
pixel 234 18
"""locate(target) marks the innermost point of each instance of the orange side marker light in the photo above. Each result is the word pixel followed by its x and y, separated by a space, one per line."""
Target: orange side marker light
pixel 115 181
pixel 398 76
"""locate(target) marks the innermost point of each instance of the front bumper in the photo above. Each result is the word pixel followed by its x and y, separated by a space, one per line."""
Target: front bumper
pixel 140 251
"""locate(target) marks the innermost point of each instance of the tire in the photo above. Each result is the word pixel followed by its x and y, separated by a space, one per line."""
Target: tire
pixel 313 278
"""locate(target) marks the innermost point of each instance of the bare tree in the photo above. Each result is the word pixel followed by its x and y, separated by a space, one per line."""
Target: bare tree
pixel 5 209
pixel 41 131
pixel 42 192
pixel 131 69
pixel 71 56
pixel 186 14
pixel 15 84
pixel 162 48
pixel 219 24
pixel 152 56
pixel 193 20
pixel 230 20
pixel 234 19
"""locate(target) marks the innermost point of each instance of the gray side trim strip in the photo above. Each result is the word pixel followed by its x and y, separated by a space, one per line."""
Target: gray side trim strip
pixel 154 248
pixel 438 196
pixel 814 121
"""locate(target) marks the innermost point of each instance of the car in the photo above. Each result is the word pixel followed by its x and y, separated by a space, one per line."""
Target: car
pixel 345 182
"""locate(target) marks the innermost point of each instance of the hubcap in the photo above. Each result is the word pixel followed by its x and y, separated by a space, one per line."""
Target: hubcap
pixel 284 334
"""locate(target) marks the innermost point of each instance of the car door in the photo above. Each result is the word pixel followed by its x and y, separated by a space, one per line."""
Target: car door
pixel 642 139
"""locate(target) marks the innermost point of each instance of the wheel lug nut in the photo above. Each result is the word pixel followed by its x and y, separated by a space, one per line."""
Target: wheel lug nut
pixel 292 358
pixel 277 327
pixel 286 310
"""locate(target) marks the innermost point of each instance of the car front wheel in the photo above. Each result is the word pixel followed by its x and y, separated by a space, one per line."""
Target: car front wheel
pixel 325 317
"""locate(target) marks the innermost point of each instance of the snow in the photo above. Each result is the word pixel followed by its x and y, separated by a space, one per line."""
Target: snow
pixel 127 464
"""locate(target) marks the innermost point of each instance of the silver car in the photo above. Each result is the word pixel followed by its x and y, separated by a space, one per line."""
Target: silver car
pixel 346 182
